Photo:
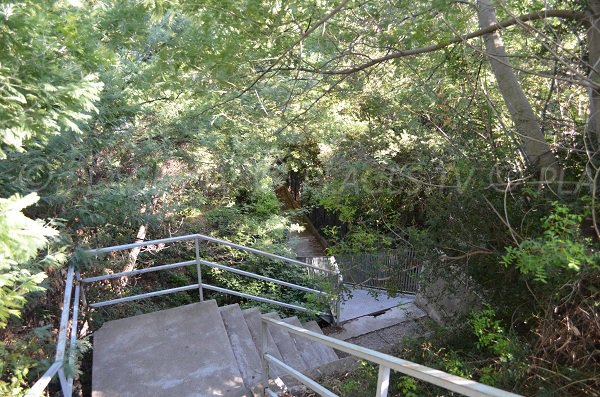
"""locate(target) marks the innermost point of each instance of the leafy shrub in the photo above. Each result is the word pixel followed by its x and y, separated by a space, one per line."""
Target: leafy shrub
pixel 559 252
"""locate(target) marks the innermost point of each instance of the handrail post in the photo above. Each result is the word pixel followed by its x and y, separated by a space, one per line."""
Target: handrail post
pixel 338 309
pixel 199 270
pixel 383 381
pixel 264 343
pixel 62 332
pixel 339 280
pixel 73 336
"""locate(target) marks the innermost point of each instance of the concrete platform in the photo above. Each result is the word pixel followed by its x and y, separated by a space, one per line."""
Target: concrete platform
pixel 177 352
pixel 371 323
pixel 366 301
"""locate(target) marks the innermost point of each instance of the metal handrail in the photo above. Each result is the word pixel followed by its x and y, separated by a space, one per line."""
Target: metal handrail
pixel 88 280
pixel 204 238
pixel 263 278
pixel 313 385
pixel 386 362
pixel 58 367
pixel 201 285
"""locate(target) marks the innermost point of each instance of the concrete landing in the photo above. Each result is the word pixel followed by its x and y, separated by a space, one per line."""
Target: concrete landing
pixel 367 324
pixel 177 352
pixel 366 301
pixel 383 330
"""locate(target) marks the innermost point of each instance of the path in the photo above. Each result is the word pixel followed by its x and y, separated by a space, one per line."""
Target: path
pixel 308 245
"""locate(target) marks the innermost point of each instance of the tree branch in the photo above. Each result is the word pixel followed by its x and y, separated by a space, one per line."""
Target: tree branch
pixel 533 16
pixel 263 73
pixel 467 255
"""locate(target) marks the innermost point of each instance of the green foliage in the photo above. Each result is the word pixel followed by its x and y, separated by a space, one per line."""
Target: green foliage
pixel 20 240
pixel 407 386
pixel 43 88
pixel 491 335
pixel 360 239
pixel 362 382
pixel 559 253
pixel 123 114
pixel 20 358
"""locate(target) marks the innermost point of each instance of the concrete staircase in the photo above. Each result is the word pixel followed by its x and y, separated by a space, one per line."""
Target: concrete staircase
pixel 195 350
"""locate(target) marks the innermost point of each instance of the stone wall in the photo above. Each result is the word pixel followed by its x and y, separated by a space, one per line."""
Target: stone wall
pixel 447 294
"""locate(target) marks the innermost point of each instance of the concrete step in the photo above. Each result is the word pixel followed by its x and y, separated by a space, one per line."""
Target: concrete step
pixel 313 353
pixel 332 370
pixel 253 321
pixel 286 345
pixel 183 351
pixel 242 344
pixel 327 353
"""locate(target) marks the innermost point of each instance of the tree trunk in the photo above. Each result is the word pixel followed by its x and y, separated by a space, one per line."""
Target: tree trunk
pixel 538 151
pixel 594 62
pixel 141 234
pixel 133 254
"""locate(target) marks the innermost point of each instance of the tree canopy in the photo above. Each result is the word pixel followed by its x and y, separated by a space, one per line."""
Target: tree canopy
pixel 466 129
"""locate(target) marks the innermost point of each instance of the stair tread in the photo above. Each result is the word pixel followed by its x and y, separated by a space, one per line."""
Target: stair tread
pixel 327 353
pixel 313 353
pixel 162 354
pixel 253 321
pixel 242 344
pixel 286 345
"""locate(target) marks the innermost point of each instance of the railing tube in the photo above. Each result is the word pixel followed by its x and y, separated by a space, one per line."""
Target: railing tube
pixel 383 381
pixel 198 268
pixel 264 346
pixel 338 289
pixel 338 301
pixel 39 386
pixel 435 377
pixel 64 323
pixel 310 383
pixel 73 339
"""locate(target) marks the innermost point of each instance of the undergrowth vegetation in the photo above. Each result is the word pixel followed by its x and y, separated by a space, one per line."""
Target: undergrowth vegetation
pixel 138 120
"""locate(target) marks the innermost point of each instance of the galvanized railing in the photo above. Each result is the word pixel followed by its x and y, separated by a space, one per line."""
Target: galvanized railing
pixel 67 332
pixel 385 361
pixel 68 324
pixel 200 285
pixel 70 312
pixel 399 269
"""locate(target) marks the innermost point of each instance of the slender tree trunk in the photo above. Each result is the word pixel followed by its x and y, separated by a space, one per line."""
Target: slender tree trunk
pixel 537 150
pixel 141 234
pixel 135 252
pixel 594 61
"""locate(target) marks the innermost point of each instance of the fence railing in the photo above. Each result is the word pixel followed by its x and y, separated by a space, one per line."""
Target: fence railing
pixel 399 269
pixel 386 363
pixel 68 324
pixel 201 285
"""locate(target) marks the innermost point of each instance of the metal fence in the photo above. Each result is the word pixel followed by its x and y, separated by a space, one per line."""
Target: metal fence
pixel 398 270
pixel 67 336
